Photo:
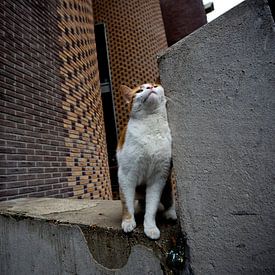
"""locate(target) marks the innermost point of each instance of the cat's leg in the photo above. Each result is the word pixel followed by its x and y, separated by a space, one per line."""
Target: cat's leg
pixel 153 194
pixel 127 198
pixel 168 201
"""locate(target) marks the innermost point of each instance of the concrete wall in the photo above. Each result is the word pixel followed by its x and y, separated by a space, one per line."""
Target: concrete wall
pixel 36 247
pixel 221 82
pixel 84 237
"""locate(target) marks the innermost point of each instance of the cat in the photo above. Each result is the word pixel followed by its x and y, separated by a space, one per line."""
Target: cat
pixel 144 158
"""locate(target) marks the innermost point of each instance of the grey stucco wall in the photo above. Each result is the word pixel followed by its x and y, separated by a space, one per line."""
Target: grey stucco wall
pixel 221 84
pixel 83 237
pixel 39 247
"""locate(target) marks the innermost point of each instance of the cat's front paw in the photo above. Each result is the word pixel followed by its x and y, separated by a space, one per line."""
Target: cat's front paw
pixel 128 225
pixel 152 232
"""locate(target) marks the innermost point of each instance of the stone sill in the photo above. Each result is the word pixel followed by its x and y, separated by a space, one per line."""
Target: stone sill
pixel 97 226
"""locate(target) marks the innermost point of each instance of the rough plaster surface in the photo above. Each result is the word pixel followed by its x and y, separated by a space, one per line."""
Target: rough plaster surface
pixel 37 247
pixel 221 82
pixel 65 236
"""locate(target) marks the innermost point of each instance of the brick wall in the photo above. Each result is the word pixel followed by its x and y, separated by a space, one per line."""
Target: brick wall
pixel 52 130
pixel 88 159
pixel 32 133
pixel 187 17
pixel 36 136
pixel 135 34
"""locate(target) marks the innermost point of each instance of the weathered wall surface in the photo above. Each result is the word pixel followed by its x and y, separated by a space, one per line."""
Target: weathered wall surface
pixel 62 236
pixel 221 82
pixel 60 249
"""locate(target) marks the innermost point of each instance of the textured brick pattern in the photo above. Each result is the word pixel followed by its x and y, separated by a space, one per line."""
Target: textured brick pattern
pixel 135 34
pixel 88 158
pixel 187 17
pixel 33 151
pixel 52 139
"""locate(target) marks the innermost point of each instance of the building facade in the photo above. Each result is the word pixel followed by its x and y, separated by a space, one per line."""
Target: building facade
pixel 52 129
pixel 62 63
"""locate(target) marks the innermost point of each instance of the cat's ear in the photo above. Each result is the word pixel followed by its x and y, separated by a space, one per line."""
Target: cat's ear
pixel 126 93
pixel 157 80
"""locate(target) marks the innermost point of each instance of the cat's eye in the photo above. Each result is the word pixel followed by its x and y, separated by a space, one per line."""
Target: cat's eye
pixel 139 91
pixel 155 86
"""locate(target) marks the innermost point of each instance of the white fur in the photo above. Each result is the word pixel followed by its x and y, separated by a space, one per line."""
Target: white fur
pixel 145 156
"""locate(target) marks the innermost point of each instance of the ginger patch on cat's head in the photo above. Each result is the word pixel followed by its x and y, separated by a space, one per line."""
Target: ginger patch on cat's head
pixel 143 99
pixel 128 94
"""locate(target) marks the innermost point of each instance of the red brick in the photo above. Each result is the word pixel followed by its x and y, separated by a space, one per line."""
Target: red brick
pixel 34 152
pixel 8 192
pixel 27 190
pixel 16 184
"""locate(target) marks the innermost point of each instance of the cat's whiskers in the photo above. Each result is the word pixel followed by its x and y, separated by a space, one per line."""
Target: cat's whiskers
pixel 174 101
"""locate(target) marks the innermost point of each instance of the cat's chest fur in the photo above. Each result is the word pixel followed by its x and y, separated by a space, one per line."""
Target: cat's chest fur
pixel 149 135
pixel 147 147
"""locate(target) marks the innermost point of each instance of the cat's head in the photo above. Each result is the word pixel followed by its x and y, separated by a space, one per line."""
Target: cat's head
pixel 144 98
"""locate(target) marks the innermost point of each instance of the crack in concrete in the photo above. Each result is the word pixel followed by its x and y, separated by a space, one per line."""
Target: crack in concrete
pixel 243 213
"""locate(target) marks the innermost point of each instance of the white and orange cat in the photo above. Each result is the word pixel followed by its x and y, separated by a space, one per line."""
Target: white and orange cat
pixel 144 158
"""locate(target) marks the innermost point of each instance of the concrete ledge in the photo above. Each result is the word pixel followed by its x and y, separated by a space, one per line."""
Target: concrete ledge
pixel 65 236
